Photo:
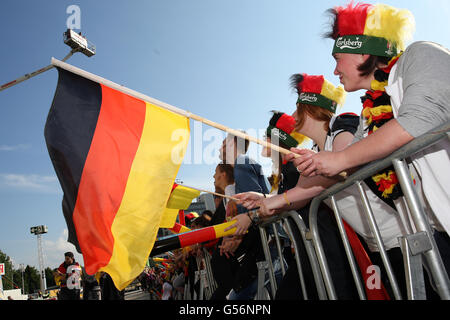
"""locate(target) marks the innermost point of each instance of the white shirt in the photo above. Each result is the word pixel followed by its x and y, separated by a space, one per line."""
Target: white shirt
pixel 431 167
pixel 229 191
pixel 352 211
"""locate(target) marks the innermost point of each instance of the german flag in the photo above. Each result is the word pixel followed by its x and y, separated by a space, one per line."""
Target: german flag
pixel 181 197
pixel 192 237
pixel 179 228
pixel 113 155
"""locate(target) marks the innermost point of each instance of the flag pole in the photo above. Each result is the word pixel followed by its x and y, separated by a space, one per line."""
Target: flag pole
pixel 214 193
pixel 138 95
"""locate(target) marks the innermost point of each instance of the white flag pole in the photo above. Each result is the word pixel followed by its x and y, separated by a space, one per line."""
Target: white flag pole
pixel 214 193
pixel 113 85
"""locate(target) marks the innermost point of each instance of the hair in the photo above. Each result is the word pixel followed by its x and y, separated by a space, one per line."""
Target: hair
pixel 200 222
pixel 239 142
pixel 229 171
pixel 372 64
pixel 315 112
pixel 218 190
pixel 68 254
pixel 207 215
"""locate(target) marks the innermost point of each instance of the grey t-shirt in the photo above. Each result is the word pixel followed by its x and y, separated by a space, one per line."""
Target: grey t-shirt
pixel 424 69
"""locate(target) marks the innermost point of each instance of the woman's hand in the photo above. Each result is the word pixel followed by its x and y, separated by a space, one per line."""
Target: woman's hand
pixel 266 209
pixel 231 210
pixel 249 200
pixel 242 224
pixel 310 163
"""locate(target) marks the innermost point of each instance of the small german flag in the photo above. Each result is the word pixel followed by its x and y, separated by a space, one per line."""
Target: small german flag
pixel 180 199
pixel 192 237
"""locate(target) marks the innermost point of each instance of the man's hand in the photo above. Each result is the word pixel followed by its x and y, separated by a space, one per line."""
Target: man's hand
pixel 229 245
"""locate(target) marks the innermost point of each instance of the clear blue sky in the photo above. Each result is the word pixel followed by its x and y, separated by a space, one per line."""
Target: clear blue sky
pixel 228 61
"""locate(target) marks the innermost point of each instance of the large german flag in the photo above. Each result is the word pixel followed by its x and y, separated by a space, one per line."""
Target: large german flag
pixel 113 155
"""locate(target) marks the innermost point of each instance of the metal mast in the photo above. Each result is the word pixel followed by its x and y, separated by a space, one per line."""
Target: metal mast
pixel 39 231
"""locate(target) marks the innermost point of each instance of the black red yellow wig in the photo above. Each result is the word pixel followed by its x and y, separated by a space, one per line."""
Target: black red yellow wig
pixel 379 30
pixel 316 90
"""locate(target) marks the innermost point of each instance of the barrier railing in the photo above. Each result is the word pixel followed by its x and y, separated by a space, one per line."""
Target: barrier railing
pixel 290 220
pixel 414 245
pixel 204 274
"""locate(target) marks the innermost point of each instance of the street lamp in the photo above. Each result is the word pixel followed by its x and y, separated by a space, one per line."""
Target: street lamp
pixel 76 41
pixel 39 231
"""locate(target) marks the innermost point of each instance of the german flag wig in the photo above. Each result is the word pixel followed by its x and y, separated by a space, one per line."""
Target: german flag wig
pixel 379 30
pixel 317 91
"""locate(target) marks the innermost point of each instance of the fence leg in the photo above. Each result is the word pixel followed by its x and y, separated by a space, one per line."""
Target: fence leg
pixel 203 285
pixel 373 227
pixel 412 246
pixel 187 290
pixel 348 251
pixel 273 284
pixel 432 256
pixel 318 279
pixel 280 253
pixel 297 260
pixel 313 235
pixel 262 293
pixel 197 277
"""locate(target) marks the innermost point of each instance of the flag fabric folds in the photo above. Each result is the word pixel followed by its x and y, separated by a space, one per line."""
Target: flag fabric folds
pixel 180 199
pixel 113 155
pixel 179 228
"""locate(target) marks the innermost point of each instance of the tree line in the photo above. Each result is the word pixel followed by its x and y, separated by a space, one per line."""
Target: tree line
pixel 12 279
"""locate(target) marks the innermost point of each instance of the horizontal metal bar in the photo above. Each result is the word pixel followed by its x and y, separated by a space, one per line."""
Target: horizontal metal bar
pixel 418 144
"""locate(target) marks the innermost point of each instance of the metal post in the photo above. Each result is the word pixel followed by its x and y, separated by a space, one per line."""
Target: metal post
pixel 280 253
pixel 261 293
pixel 432 256
pixel 203 284
pixel 41 263
pixel 318 279
pixel 297 261
pixel 313 234
pixel 22 269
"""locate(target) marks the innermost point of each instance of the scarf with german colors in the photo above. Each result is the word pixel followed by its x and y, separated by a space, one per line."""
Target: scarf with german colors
pixel 377 111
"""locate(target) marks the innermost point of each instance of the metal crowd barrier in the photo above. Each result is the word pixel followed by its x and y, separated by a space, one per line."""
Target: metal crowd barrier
pixel 205 276
pixel 414 246
pixel 283 220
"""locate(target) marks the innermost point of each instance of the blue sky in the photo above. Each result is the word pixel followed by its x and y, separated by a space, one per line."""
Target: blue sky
pixel 228 61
